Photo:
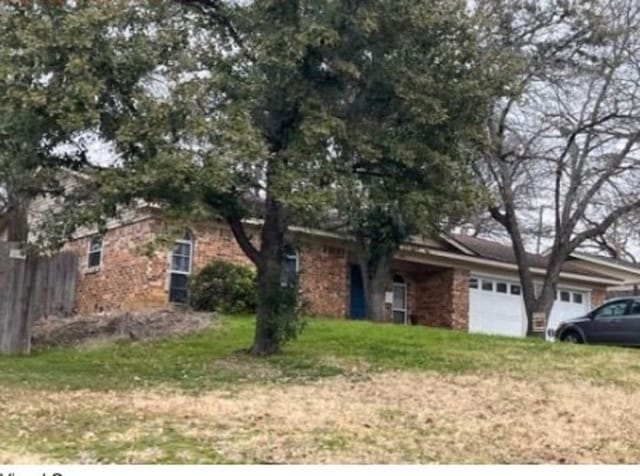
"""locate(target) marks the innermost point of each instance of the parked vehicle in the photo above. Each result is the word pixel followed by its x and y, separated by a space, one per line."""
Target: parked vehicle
pixel 616 322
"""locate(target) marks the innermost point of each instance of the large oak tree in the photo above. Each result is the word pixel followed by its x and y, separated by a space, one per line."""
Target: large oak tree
pixel 265 109
pixel 565 132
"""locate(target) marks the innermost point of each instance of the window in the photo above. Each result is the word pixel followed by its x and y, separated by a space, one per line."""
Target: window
pixel 565 296
pixel 487 285
pixel 399 304
pixel 95 252
pixel 515 289
pixel 473 283
pixel 613 309
pixel 501 288
pixel 290 268
pixel 577 298
pixel 634 308
pixel 181 258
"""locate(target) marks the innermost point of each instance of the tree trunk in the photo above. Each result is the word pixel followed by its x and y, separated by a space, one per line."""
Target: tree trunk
pixel 266 340
pixel 543 305
pixel 17 223
pixel 270 311
pixel 545 299
pixel 375 276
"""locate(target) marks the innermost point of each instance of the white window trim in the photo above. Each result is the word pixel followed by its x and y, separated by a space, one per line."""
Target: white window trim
pixel 586 295
pixel 585 291
pixel 506 289
pixel 296 257
pixel 177 271
pixel 404 310
pixel 92 269
pixel 488 280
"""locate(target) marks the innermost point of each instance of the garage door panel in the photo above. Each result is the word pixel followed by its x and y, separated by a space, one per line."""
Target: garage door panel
pixel 569 303
pixel 493 309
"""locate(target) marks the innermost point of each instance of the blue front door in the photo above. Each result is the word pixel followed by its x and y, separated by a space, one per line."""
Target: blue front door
pixel 357 304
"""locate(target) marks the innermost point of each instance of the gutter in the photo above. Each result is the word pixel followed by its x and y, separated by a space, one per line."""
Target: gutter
pixel 605 263
pixel 506 266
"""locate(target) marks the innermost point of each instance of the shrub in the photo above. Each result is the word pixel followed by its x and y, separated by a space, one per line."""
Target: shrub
pixel 224 287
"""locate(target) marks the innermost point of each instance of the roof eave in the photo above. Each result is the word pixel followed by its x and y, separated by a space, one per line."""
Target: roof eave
pixel 605 263
pixel 508 266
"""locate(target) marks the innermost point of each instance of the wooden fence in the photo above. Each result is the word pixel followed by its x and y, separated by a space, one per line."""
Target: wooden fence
pixel 32 287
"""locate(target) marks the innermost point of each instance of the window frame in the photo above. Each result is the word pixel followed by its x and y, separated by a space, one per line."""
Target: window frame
pixel 398 282
pixel 291 255
pixel 186 239
pixel 91 252
pixel 182 241
pixel 490 282
pixel 295 256
pixel 630 305
pixel 595 312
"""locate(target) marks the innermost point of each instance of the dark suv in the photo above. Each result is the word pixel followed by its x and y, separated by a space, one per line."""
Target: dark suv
pixel 617 321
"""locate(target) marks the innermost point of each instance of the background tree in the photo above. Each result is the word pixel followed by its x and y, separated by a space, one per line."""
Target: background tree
pixel 565 130
pixel 414 93
pixel 65 74
pixel 620 241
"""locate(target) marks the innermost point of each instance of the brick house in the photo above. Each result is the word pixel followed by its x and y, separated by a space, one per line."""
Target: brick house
pixel 456 282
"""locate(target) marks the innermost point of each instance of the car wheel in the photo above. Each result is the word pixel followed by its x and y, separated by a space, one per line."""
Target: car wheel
pixel 571 337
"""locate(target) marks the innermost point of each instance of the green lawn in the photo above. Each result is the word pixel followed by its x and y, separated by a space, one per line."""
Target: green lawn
pixel 326 348
pixel 344 392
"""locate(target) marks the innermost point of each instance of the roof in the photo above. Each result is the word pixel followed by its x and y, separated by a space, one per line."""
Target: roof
pixel 606 260
pixel 504 253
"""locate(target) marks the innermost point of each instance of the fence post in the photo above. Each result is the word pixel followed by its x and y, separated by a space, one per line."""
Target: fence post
pixel 16 281
pixel 32 287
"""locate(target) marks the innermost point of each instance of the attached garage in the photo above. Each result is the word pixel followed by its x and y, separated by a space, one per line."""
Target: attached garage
pixel 569 303
pixel 496 307
pixel 495 301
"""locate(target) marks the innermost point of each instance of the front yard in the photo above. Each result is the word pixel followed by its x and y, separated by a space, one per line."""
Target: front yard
pixel 345 392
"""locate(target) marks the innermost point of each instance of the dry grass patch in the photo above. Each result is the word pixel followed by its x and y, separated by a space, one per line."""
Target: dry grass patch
pixel 247 367
pixel 21 457
pixel 388 418
pixel 99 329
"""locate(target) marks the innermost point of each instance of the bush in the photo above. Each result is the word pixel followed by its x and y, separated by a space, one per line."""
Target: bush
pixel 224 287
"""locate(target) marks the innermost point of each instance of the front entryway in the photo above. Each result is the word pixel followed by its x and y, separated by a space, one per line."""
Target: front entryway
pixel 357 306
pixel 399 300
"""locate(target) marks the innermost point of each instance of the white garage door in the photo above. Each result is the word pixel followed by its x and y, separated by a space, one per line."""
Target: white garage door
pixel 569 303
pixel 496 307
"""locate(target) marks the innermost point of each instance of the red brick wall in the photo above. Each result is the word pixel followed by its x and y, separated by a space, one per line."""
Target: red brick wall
pixel 126 278
pixel 460 299
pixel 442 299
pixel 130 280
pixel 323 279
pixel 322 267
pixel 216 242
pixel 598 296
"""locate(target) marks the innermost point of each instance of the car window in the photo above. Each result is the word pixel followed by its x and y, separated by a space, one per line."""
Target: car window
pixel 613 309
pixel 635 307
